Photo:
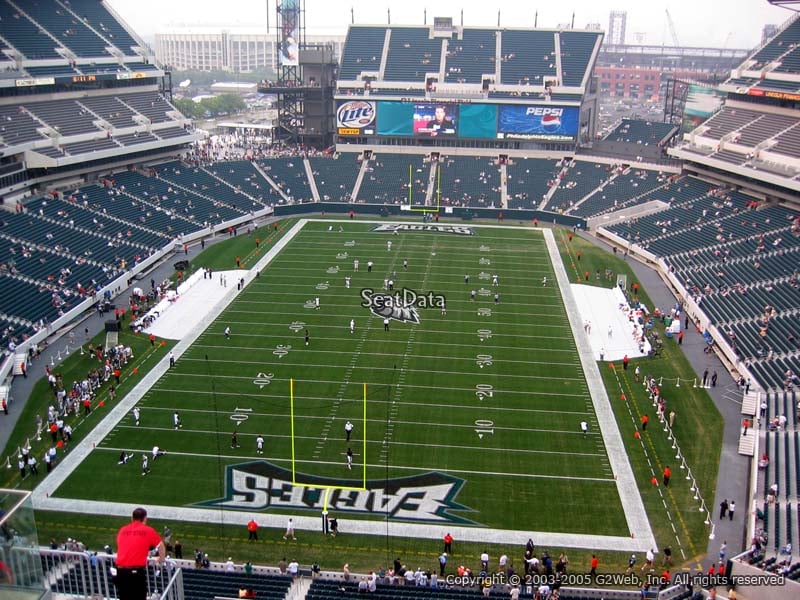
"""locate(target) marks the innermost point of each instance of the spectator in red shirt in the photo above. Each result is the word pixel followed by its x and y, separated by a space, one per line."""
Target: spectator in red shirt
pixel 134 542
pixel 252 530
pixel 6 575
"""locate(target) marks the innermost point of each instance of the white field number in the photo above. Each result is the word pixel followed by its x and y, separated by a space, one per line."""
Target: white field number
pixel 484 427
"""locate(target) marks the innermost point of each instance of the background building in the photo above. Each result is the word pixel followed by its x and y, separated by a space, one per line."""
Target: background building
pixel 616 27
pixel 235 51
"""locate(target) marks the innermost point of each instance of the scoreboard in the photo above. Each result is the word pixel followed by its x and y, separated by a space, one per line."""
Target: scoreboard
pixel 425 119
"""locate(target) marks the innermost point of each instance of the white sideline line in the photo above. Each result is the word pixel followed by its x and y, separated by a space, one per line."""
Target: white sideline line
pixel 641 536
pixel 632 504
pixel 40 497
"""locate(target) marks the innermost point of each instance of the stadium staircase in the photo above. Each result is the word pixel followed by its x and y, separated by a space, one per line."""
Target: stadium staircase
pixel 633 200
pixel 781 513
pixel 750 403
pixel 271 181
pixel 359 179
pixel 312 183
pixel 385 53
pixel 551 192
pixel 504 185
pixel 224 182
pixel 129 224
pixel 157 208
pixel 747 443
pixel 596 190
pixel 430 193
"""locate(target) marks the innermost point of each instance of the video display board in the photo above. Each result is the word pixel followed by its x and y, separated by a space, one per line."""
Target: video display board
pixel 534 122
pixel 477 121
pixel 289 45
pixel 701 102
pixel 464 121
pixel 417 119
pixel 395 118
pixel 435 120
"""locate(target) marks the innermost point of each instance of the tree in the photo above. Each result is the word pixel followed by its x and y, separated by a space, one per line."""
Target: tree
pixel 189 108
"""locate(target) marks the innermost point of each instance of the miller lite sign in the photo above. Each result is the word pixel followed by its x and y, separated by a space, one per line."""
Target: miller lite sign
pixel 355 117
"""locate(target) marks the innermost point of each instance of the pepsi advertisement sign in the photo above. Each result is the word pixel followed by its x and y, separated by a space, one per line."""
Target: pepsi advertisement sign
pixel 549 123
pixel 356 117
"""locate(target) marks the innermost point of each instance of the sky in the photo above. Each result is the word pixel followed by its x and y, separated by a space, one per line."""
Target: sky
pixel 701 23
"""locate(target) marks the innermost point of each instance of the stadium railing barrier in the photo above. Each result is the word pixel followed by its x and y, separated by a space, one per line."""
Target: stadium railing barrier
pixel 91 575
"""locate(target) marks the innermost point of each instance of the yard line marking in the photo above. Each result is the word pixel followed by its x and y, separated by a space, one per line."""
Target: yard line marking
pixel 416 403
pixel 436 357
pixel 358 351
pixel 264 336
pixel 457 304
pixel 328 382
pixel 391 413
pixel 417 424
pixel 348 374
pixel 367 368
pixel 242 434
pixel 379 465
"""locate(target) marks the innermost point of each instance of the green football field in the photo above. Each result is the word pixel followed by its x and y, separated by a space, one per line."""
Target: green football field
pixel 472 417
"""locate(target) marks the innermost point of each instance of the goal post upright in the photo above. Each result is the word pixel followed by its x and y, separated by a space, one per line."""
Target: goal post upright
pixel 291 421
pixel 364 440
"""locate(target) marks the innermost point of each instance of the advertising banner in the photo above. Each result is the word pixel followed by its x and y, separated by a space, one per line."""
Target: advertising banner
pixel 355 117
pixel 547 123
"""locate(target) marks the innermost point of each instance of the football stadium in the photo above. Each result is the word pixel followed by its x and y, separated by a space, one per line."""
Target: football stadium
pixel 447 332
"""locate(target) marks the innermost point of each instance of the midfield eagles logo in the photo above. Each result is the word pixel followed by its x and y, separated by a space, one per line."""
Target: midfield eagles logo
pixel 402 305
pixel 260 485
pixel 400 227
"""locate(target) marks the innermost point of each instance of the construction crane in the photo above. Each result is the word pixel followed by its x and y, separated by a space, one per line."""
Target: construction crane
pixel 672 29
pixel 727 39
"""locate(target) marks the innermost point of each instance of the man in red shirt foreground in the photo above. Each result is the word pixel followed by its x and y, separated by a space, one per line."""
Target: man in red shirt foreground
pixel 134 542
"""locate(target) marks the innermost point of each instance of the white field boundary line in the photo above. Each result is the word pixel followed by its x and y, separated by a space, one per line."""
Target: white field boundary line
pixel 41 494
pixel 632 504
